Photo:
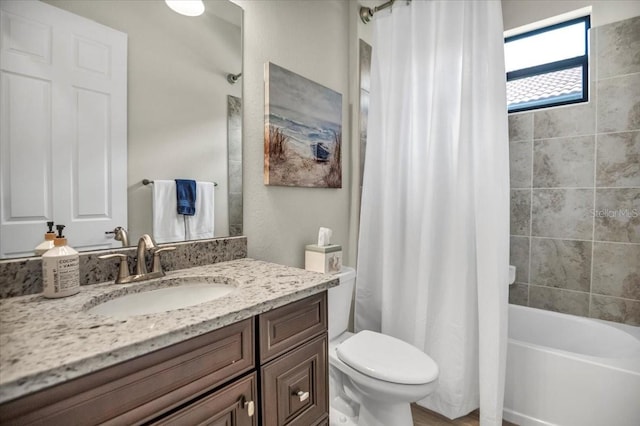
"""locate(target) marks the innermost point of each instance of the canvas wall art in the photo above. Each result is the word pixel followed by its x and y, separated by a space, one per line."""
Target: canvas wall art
pixel 303 131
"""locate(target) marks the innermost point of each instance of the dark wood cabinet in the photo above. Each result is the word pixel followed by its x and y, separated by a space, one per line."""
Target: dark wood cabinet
pixel 295 390
pixel 138 390
pixel 233 405
pixel 293 339
pixel 211 379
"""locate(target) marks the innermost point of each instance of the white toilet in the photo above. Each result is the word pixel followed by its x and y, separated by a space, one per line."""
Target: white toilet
pixel 372 377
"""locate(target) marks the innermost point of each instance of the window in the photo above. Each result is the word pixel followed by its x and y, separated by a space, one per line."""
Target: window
pixel 548 66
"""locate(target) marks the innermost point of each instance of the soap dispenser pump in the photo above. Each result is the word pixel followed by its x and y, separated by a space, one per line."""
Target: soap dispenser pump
pixel 47 244
pixel 60 268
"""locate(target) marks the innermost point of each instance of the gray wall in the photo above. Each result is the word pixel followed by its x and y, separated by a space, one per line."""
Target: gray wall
pixel 575 191
pixel 310 38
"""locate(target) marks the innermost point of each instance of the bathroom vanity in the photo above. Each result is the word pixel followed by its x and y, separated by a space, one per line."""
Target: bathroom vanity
pixel 257 356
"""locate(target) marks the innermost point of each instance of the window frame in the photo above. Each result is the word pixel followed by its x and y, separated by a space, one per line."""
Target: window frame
pixel 560 65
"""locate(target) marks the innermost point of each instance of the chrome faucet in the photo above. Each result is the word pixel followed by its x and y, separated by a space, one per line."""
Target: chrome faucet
pixel 145 243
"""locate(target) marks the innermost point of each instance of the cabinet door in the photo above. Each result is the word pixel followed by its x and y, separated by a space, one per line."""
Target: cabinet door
pixel 295 386
pixel 233 405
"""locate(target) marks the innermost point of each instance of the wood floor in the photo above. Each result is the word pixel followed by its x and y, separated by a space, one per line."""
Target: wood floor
pixel 424 417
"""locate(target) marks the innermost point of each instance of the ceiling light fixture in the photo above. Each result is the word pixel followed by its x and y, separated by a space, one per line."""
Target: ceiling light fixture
pixel 186 7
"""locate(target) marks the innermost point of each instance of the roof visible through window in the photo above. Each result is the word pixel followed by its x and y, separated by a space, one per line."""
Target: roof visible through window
pixel 548 66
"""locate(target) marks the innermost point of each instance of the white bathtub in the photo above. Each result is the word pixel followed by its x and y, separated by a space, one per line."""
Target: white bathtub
pixel 571 371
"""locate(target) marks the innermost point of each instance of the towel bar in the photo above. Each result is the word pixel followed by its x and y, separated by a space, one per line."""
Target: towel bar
pixel 147 182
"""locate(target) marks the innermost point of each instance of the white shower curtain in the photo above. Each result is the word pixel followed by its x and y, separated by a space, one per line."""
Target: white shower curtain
pixel 433 248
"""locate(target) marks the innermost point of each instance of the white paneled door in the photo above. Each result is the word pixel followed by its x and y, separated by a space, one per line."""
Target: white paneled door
pixel 63 132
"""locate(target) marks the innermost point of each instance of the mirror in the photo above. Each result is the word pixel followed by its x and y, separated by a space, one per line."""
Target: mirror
pixel 183 112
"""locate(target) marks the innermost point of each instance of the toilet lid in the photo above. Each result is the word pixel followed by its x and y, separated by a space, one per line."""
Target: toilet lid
pixel 387 358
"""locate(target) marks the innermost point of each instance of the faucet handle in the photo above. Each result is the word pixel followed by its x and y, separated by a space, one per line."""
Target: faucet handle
pixel 156 265
pixel 123 269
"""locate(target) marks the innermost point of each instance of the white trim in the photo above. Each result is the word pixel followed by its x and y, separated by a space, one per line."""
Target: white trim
pixel 578 13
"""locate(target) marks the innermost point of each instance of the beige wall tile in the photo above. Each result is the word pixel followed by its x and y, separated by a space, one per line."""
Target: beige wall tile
pixel 562 213
pixel 564 162
pixel 618 49
pixel 520 211
pixel 619 104
pixel 519 257
pixel 617 215
pixel 615 309
pixel 561 263
pixel 521 127
pixel 519 294
pixel 618 159
pixel 520 164
pixel 554 299
pixel 616 270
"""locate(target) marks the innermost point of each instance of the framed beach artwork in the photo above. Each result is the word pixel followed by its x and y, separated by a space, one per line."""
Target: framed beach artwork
pixel 303 131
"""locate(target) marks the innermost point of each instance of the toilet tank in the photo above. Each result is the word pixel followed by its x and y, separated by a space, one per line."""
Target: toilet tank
pixel 339 300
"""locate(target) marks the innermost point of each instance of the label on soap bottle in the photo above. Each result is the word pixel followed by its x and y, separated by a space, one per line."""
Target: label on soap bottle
pixel 61 275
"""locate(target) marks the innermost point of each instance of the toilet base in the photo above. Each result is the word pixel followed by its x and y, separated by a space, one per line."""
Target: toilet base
pixel 343 410
pixel 398 415
pixel 338 418
pixel 373 413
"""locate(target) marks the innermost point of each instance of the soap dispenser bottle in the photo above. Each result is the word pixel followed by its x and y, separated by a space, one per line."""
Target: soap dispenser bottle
pixel 60 268
pixel 47 244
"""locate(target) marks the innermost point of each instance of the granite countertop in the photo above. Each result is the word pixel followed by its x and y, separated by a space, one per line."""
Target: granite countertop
pixel 44 342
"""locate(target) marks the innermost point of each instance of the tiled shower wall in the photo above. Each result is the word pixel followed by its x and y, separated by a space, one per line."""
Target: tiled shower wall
pixel 575 191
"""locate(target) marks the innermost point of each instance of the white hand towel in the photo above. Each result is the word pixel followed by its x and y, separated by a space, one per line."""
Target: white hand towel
pixel 168 225
pixel 201 225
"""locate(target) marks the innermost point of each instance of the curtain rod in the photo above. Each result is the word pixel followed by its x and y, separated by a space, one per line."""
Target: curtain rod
pixel 366 13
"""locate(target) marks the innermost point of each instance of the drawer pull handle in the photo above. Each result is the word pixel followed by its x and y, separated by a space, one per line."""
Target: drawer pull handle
pixel 251 408
pixel 303 395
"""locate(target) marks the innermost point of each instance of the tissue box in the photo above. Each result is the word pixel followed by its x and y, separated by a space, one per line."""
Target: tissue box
pixel 325 259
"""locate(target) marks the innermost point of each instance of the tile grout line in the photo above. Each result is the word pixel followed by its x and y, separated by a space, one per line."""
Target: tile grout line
pixel 595 173
pixel 565 188
pixel 584 292
pixel 593 224
pixel 618 76
pixel 542 237
pixel 533 123
pixel 595 133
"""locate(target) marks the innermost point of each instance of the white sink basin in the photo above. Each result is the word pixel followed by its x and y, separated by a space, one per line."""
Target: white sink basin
pixel 190 293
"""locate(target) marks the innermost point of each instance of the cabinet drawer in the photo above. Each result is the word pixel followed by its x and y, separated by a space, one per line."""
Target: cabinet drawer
pixel 228 406
pixel 294 386
pixel 292 324
pixel 141 388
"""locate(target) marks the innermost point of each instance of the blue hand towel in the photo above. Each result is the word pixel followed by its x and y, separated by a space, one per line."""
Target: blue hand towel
pixel 186 194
